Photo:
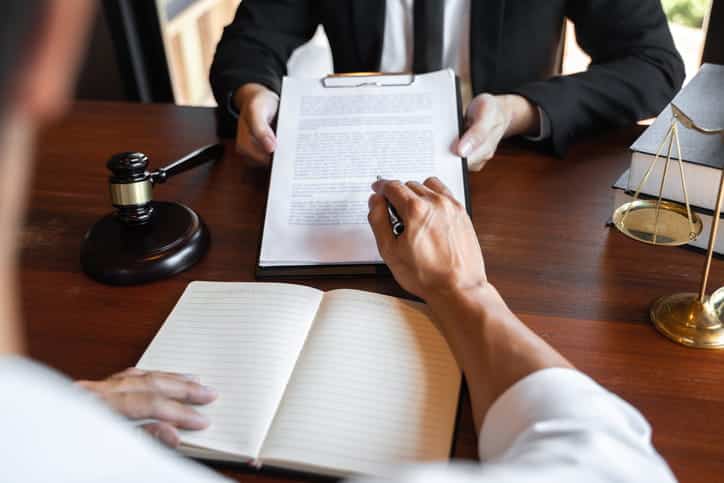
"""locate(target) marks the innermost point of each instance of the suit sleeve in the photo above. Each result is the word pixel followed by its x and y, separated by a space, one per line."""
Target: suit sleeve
pixel 256 46
pixel 635 70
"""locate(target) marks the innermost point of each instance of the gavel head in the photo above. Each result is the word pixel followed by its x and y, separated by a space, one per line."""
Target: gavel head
pixel 131 187
pixel 145 240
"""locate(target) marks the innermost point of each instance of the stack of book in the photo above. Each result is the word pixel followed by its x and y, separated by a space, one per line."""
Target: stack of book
pixel 703 156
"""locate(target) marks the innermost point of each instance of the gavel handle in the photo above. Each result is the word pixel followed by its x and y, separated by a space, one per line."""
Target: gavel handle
pixel 207 154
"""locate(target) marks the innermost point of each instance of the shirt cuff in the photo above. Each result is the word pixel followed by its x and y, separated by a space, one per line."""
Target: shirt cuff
pixel 551 395
pixel 544 131
pixel 230 107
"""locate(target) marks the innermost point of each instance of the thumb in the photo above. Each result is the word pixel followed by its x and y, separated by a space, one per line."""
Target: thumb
pixel 164 432
pixel 269 103
pixel 474 117
pixel 259 116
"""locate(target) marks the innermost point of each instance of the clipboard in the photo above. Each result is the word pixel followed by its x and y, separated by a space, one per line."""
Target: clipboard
pixel 355 80
pixel 365 79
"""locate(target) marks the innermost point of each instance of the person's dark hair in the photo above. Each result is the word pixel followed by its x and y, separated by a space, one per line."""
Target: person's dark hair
pixel 18 19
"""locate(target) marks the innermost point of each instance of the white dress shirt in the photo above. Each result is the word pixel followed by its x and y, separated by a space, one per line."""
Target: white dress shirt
pixel 398 48
pixel 398 44
pixel 315 57
pixel 52 431
pixel 556 426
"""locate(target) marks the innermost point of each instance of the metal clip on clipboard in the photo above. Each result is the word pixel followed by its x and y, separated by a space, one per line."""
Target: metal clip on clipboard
pixel 368 79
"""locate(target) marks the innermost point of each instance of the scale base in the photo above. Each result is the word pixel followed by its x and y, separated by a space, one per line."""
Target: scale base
pixel 684 319
pixel 118 253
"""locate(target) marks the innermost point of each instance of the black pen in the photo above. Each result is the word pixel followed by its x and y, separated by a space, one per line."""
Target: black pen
pixel 397 226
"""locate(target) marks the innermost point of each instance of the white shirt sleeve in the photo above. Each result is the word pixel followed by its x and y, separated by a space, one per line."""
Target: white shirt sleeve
pixel 558 426
pixel 52 431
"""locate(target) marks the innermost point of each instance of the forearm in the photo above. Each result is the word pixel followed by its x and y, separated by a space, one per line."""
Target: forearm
pixel 492 346
pixel 535 422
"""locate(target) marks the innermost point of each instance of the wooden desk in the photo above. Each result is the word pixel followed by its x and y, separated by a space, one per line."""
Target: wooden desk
pixel 541 223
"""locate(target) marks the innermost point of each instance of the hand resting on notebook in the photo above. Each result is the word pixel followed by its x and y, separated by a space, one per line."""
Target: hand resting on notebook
pixel 165 397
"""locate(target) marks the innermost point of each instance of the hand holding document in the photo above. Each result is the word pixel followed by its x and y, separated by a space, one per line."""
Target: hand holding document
pixel 255 138
pixel 335 137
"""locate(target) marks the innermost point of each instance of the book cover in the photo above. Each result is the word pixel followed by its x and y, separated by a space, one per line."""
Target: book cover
pixel 703 101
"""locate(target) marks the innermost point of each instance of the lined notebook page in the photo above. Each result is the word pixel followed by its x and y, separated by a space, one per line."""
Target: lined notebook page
pixel 376 385
pixel 242 339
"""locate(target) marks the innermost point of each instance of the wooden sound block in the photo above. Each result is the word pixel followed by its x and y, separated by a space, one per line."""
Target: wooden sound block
pixel 118 253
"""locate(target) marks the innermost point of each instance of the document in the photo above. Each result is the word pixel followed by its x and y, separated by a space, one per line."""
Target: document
pixel 335 136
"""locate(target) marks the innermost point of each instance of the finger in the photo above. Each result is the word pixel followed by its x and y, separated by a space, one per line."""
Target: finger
pixel 249 148
pixel 173 386
pixel 87 385
pixel 116 379
pixel 380 222
pixel 438 186
pixel 164 432
pixel 176 375
pixel 490 130
pixel 399 195
pixel 143 405
pixel 475 139
pixel 420 189
pixel 480 157
pixel 190 377
pixel 476 165
pixel 257 120
pixel 481 120
pixel 131 371
pixel 469 142
pixel 135 371
pixel 254 156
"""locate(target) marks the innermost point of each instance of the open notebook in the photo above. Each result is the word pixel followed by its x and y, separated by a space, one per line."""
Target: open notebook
pixel 339 383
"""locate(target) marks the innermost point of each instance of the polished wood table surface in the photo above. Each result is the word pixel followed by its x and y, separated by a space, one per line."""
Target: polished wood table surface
pixel 541 222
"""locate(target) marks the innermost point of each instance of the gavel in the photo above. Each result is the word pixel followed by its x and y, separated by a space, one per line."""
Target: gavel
pixel 145 240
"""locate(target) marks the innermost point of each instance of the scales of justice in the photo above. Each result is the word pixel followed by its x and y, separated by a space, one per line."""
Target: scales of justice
pixel 691 319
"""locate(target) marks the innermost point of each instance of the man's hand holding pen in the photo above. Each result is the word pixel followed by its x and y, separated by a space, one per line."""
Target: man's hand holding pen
pixel 438 252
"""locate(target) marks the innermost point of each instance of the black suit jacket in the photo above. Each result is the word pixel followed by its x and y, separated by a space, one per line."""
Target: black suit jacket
pixel 635 69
